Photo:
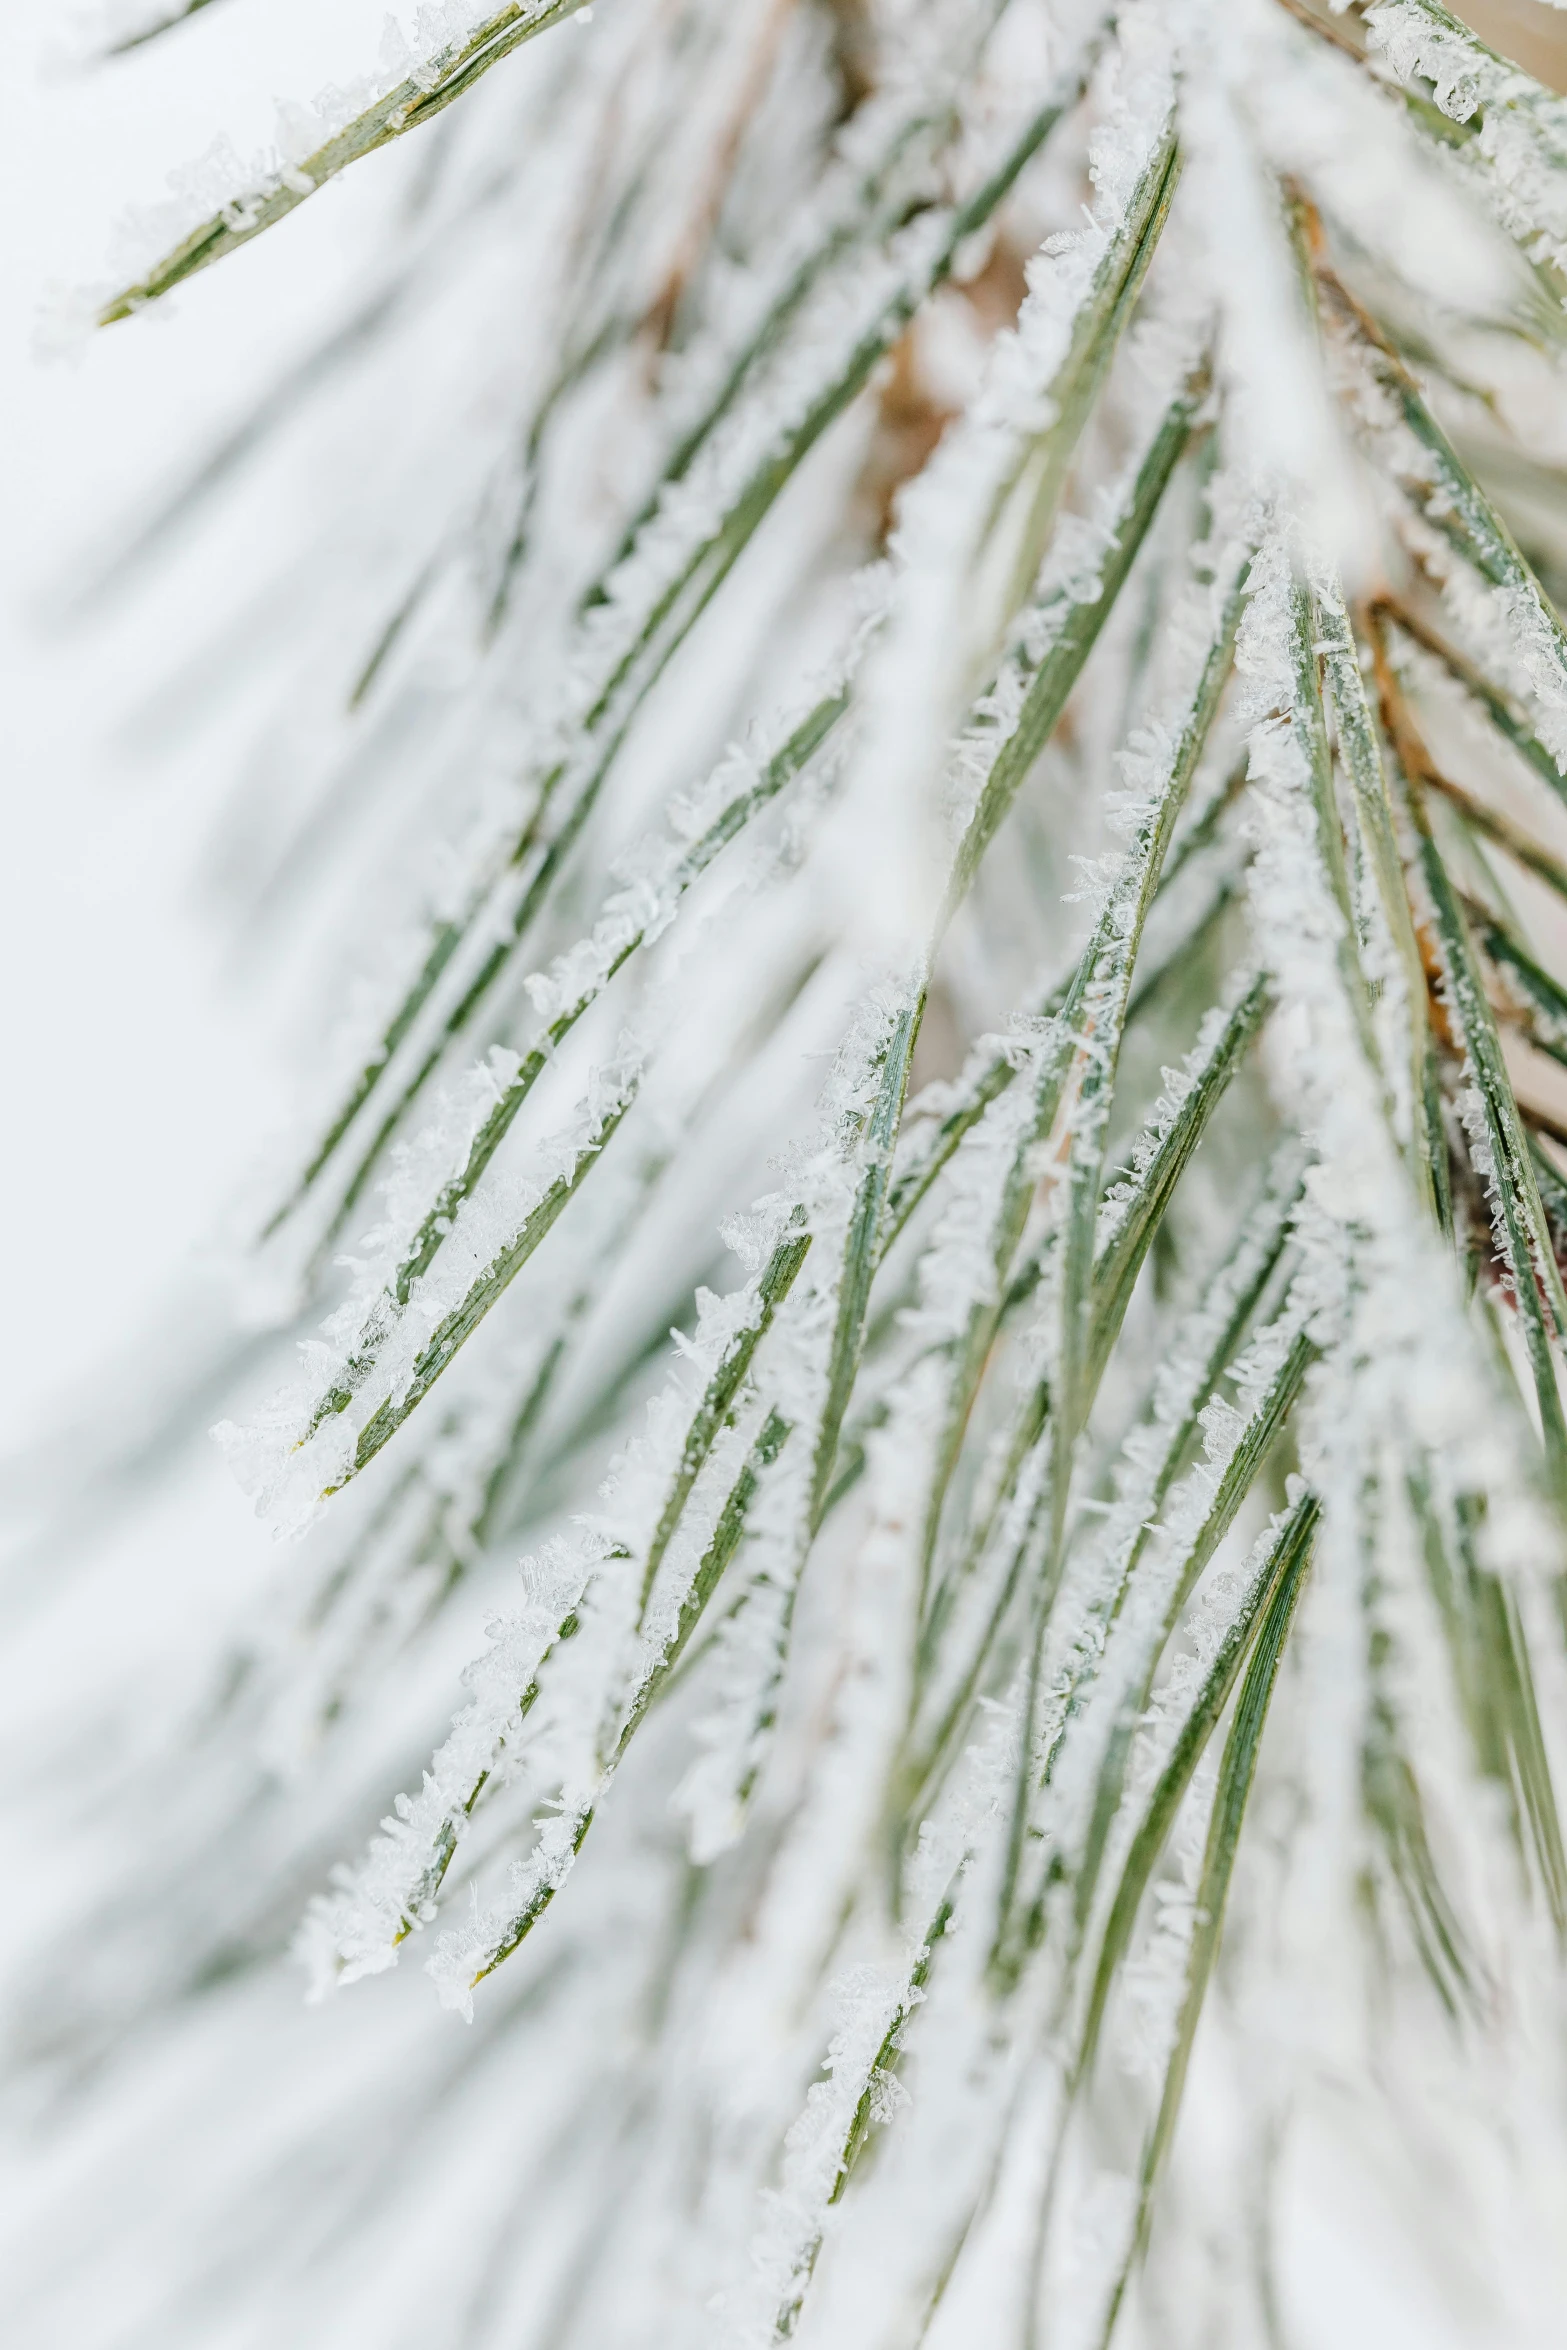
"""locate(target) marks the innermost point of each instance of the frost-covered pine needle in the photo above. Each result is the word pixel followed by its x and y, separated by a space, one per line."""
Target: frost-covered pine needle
pixel 914 815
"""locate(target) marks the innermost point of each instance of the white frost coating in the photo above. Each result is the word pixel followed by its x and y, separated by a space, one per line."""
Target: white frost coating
pixel 1180 1083
pixel 369 1592
pixel 886 159
pixel 926 669
pixel 1399 1326
pixel 221 184
pixel 750 1648
pixel 1184 1378
pixel 579 1760
pixel 1154 1980
pixel 619 645
pixel 962 1267
pixel 1523 131
pixel 845 287
pixel 356 1930
pixel 880 1997
pixel 1320 118
pixel 886 146
pixel 1279 423
pixel 1115 1606
pixel 956 1278
pixel 752 1644
pixel 1505 621
pixel 1070 576
pixel 1105 1638
pixel 371 1343
pixel 339 1635
pixel 959 1272
pixel 570 1732
pixel 1225 1595
pixel 846 307
pixel 658 868
pixel 870 2002
pixel 288 1475
pixel 1117 1602
pixel 635 2075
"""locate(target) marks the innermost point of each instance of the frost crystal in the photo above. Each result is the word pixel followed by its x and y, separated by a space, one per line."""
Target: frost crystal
pixel 912 802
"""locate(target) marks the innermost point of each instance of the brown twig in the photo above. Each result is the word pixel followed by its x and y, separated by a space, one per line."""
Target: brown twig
pixel 659 319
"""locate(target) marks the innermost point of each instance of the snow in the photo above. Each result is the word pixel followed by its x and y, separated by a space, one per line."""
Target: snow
pixel 718 1866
